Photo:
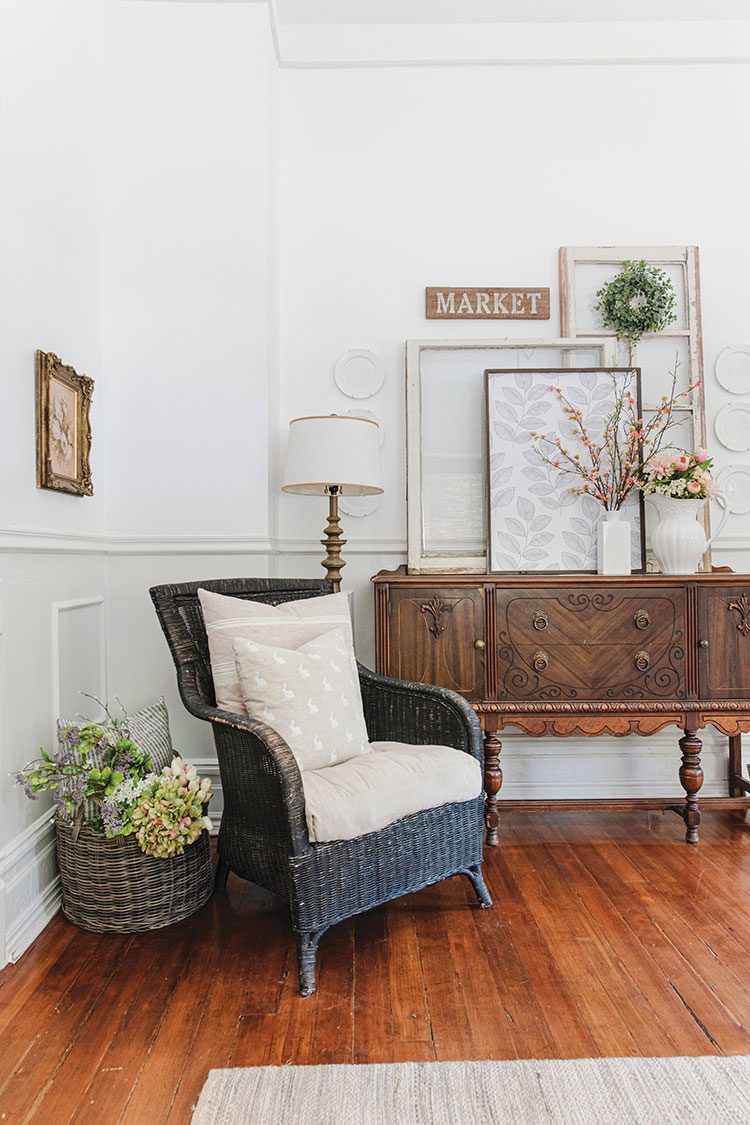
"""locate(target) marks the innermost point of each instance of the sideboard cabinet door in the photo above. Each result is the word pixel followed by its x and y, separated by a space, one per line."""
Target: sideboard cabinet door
pixel 724 642
pixel 436 636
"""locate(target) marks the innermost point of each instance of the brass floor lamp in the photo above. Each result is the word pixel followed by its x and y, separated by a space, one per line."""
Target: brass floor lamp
pixel 333 455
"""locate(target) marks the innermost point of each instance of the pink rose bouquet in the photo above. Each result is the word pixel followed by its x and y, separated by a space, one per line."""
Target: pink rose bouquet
pixel 681 475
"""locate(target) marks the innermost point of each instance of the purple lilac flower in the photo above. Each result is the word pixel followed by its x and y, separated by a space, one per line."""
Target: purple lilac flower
pixel 111 817
pixel 25 784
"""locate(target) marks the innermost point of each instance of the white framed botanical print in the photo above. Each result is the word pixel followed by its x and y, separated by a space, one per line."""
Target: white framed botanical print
pixel 535 521
pixel 445 456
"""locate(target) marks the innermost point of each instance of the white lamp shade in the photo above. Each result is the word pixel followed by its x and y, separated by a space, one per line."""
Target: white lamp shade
pixel 333 450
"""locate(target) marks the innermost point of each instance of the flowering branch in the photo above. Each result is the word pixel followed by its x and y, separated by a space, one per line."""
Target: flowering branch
pixel 611 467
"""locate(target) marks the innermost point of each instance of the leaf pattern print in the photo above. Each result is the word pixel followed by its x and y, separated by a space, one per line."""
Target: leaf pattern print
pixel 536 522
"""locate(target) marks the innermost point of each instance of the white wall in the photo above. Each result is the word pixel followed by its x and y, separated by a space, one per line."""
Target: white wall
pixel 187 91
pixel 391 179
pixel 49 238
pixel 50 243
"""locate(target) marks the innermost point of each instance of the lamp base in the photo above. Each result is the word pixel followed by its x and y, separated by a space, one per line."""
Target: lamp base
pixel 333 542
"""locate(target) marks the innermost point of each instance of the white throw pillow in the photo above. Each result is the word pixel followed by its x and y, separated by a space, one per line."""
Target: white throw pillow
pixel 308 694
pixel 288 625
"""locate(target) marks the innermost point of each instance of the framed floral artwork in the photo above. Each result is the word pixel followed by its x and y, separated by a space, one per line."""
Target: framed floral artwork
pixel 63 428
pixel 535 521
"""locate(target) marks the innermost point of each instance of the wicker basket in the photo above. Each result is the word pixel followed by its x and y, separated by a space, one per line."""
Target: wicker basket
pixel 111 886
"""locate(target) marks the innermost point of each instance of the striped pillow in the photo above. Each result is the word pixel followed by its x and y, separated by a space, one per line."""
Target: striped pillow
pixel 288 625
pixel 149 730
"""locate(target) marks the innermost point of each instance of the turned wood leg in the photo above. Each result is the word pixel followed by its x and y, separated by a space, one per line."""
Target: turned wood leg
pixel 493 780
pixel 691 779
pixel 735 764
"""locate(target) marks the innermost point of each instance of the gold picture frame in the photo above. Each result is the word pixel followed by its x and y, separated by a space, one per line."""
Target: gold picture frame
pixel 63 427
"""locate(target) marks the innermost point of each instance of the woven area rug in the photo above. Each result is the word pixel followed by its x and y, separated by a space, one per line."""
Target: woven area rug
pixel 561 1092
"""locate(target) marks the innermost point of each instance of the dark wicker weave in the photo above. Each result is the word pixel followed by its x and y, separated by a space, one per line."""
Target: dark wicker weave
pixel 111 886
pixel 263 835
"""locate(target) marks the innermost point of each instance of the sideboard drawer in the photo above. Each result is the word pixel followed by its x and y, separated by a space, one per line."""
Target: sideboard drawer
pixel 724 642
pixel 590 644
pixel 575 617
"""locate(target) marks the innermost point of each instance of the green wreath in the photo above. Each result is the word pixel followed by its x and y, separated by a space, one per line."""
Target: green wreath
pixel 640 299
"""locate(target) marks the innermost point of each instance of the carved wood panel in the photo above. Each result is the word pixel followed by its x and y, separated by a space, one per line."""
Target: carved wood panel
pixel 437 637
pixel 724 642
pixel 578 643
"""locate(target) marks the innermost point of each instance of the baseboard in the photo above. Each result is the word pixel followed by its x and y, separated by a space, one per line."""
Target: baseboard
pixel 29 887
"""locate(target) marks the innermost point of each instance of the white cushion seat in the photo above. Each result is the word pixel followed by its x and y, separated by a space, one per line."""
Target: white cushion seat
pixel 369 792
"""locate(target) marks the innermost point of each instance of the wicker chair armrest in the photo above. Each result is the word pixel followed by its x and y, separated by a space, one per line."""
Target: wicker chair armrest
pixel 260 777
pixel 401 711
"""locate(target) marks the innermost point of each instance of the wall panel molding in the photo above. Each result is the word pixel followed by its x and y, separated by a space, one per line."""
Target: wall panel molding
pixel 31 541
pixel 70 606
pixel 29 887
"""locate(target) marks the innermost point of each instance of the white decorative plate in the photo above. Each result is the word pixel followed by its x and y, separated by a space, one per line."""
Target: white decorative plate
pixel 732 426
pixel 359 505
pixel 359 373
pixel 735 482
pixel 372 417
pixel 732 369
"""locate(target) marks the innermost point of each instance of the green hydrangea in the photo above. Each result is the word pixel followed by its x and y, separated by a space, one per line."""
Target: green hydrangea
pixel 170 814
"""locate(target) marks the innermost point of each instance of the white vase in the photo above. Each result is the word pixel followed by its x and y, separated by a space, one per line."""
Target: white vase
pixel 613 544
pixel 679 540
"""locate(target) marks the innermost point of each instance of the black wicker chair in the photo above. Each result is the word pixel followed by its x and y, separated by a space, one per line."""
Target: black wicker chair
pixel 263 835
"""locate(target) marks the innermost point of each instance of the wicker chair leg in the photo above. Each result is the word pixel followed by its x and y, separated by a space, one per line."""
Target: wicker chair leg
pixel 474 874
pixel 307 951
pixel 221 875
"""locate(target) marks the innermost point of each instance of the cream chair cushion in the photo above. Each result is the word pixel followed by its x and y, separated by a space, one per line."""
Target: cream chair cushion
pixel 367 793
pixel 288 625
pixel 308 694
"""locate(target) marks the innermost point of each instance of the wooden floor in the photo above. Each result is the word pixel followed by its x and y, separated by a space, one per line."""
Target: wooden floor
pixel 609 936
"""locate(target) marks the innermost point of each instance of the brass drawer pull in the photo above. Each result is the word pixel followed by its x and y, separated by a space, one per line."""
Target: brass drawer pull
pixel 479 644
pixel 539 620
pixel 642 660
pixel 641 619
pixel 540 660
pixel 703 644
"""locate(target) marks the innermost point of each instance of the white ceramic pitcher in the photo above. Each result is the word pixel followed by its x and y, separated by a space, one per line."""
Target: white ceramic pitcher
pixel 679 539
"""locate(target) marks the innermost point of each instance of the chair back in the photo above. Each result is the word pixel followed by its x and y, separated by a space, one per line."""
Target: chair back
pixel 179 612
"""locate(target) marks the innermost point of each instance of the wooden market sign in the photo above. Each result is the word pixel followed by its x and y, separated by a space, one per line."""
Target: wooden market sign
pixel 487 304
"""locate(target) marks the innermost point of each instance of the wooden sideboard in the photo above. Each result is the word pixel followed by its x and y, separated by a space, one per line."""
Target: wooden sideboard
pixel 558 655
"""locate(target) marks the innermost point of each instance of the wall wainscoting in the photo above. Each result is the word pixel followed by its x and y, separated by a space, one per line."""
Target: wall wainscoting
pixel 29 887
pixel 94 627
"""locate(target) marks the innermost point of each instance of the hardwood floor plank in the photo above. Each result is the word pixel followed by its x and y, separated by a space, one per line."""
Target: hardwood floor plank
pixel 107 1095
pixel 570 1034
pixel 608 936
pixel 411 1015
pixel 19 981
pixel 217 1024
pixel 60 1029
pixel 334 1022
pixel 161 1073
pixel 490 1026
pixel 689 986
pixel 449 1019
pixel 594 985
pixel 38 995
pixel 661 1025
pixel 498 931
pixel 373 1017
